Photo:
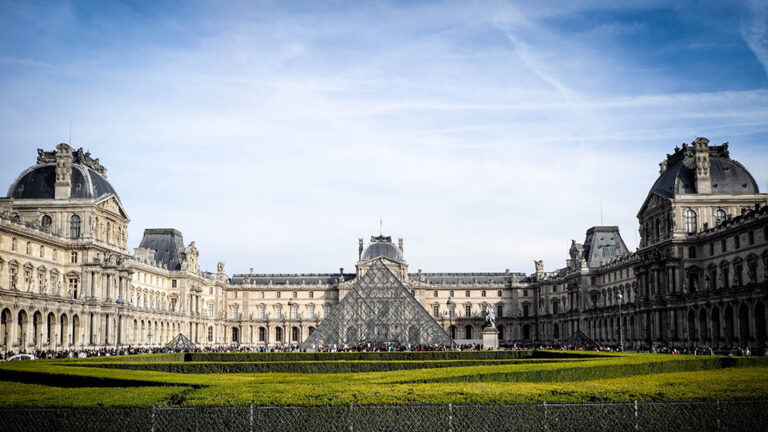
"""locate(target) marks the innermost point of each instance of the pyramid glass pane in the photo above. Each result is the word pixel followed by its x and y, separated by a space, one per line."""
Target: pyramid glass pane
pixel 378 310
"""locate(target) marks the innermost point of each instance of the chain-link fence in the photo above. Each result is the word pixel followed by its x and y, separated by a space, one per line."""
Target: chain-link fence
pixel 643 416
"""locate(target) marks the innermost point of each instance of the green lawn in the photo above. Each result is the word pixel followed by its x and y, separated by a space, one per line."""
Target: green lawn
pixel 379 378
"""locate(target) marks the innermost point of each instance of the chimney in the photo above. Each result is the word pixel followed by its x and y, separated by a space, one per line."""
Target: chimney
pixel 63 185
pixel 359 248
pixel 701 155
pixel 400 244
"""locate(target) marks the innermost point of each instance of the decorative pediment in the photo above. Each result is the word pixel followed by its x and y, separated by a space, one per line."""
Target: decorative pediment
pixel 653 200
pixel 112 205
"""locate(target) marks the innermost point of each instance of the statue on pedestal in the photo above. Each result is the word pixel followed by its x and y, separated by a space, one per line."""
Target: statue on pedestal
pixel 490 316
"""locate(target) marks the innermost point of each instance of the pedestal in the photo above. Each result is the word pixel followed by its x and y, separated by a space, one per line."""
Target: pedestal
pixel 490 338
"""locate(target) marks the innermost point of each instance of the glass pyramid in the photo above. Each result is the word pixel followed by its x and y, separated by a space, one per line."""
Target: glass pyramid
pixel 180 343
pixel 378 310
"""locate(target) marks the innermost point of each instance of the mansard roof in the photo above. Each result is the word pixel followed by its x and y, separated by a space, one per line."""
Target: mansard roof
pixel 168 245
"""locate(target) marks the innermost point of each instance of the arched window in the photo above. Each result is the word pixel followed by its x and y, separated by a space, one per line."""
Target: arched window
pixel 719 216
pixel 74 226
pixel 690 221
pixel 46 222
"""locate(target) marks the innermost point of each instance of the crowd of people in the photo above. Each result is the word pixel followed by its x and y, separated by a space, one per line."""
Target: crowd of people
pixel 372 347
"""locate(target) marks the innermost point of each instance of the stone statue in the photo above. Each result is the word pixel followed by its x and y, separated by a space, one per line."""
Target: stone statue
pixel 58 288
pixel 539 266
pixel 490 316
pixel 45 287
pixel 220 267
pixel 752 271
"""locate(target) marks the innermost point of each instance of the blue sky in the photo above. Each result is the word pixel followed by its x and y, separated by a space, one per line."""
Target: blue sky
pixel 274 134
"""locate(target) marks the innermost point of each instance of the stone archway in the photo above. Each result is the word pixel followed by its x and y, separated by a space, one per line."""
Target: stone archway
pixel 22 322
pixel 5 328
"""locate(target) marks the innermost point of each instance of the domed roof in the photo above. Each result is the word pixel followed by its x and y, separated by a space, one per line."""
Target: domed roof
pixel 727 175
pixel 381 246
pixel 38 182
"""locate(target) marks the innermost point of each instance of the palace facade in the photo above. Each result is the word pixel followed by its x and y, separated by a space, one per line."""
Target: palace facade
pixel 699 277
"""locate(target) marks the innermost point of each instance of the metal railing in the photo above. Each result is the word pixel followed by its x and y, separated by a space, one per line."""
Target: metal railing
pixel 639 416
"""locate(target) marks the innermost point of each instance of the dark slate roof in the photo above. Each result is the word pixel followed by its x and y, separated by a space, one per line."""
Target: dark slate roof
pixel 602 245
pixel 292 279
pixel 382 246
pixel 727 175
pixel 38 182
pixel 168 245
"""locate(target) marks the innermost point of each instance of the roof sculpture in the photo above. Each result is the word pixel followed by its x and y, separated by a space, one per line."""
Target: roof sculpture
pixel 380 310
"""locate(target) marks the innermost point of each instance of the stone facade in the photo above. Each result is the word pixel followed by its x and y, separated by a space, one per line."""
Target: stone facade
pixel 699 276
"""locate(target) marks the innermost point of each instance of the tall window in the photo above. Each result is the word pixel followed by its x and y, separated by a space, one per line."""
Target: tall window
pixel 435 310
pixel 294 312
pixel 210 310
pixel 499 311
pixel 719 216
pixel 74 226
pixel 210 290
pixel 234 312
pixel 690 221
pixel 73 287
pixel 210 334
pixel 262 334
pixel 46 222
pixel 278 312
pixel 261 312
pixel 311 310
pixel 467 310
pixel 326 310
pixel 109 228
pixel 525 310
pixel 73 257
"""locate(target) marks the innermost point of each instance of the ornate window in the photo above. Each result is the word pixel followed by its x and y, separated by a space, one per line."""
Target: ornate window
pixel 719 216
pixel 262 334
pixel 45 222
pixel 278 312
pixel 234 312
pixel 467 310
pixel 311 311
pixel 294 312
pixel 326 310
pixel 74 226
pixel 73 257
pixel 73 287
pixel 210 310
pixel 691 225
pixel 499 311
pixel 210 334
pixel 435 311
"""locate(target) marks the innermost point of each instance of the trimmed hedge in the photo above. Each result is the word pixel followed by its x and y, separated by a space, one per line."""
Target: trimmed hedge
pixel 312 367
pixel 382 356
pixel 605 369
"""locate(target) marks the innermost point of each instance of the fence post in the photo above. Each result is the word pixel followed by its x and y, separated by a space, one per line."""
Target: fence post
pixel 349 419
pixel 718 414
pixel 637 414
pixel 450 417
pixel 153 418
pixel 251 429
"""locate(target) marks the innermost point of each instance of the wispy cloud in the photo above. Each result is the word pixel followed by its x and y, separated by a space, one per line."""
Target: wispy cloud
pixel 755 31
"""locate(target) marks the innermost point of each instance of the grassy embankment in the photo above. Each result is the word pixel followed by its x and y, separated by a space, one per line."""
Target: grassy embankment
pixel 379 378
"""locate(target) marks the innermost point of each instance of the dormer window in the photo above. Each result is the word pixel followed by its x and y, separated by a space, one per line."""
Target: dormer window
pixel 719 216
pixel 690 221
pixel 45 223
pixel 74 226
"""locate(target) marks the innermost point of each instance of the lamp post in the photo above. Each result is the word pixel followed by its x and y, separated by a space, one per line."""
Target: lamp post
pixel 621 333
pixel 451 305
